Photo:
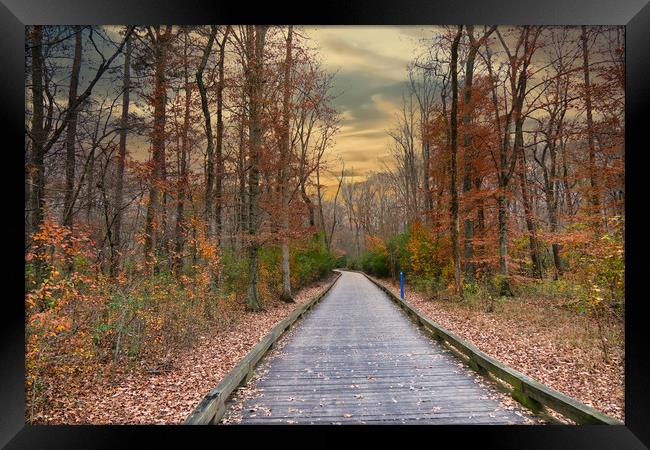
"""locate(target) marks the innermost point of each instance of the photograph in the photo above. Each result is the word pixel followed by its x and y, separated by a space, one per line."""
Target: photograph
pixel 319 224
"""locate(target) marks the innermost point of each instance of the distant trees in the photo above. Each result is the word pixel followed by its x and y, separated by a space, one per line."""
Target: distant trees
pixel 513 147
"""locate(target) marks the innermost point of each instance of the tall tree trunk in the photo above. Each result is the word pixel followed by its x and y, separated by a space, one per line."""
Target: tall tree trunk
pixel 468 252
pixel 152 228
pixel 480 224
pixel 119 187
pixel 71 136
pixel 37 168
pixel 518 154
pixel 565 182
pixel 553 226
pixel 533 243
pixel 309 203
pixel 454 170
pixel 321 215
pixel 255 85
pixel 285 148
pixel 594 194
pixel 209 169
pixel 183 176
pixel 218 179
pixel 502 218
pixel 428 188
pixel 241 171
pixel 502 181
pixel 552 191
pixel 90 184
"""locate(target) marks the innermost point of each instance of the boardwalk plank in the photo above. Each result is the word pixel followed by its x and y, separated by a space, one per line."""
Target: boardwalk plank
pixel 357 358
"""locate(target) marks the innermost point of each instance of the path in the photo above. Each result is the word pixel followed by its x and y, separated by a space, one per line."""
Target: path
pixel 357 358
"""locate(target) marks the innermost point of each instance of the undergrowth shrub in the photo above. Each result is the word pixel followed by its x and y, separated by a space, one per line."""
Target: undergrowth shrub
pixel 310 262
pixel 375 260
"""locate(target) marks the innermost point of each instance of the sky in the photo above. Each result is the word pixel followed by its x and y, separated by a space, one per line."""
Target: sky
pixel 369 63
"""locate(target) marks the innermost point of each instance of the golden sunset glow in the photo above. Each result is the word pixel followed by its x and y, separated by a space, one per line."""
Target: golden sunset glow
pixel 369 63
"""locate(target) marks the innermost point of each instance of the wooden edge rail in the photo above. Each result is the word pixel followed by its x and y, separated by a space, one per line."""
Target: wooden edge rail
pixel 530 393
pixel 213 406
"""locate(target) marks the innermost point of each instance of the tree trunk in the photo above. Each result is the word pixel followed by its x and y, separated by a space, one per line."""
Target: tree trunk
pixel 553 226
pixel 552 191
pixel 565 182
pixel 594 194
pixel 319 196
pixel 530 223
pixel 255 85
pixel 90 184
pixel 119 187
pixel 480 226
pixel 241 172
pixel 468 253
pixel 309 203
pixel 152 228
pixel 209 170
pixel 37 168
pixel 454 170
pixel 71 136
pixel 284 169
pixel 183 176
pixel 218 179
pixel 503 246
pixel 507 163
pixel 428 188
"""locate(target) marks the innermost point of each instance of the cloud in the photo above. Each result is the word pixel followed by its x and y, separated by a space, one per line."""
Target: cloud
pixel 377 50
pixel 364 134
pixel 370 64
pixel 363 97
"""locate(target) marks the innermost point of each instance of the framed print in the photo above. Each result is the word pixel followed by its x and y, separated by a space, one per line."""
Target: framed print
pixel 410 213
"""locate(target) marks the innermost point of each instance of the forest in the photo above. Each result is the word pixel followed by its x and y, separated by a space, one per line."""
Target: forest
pixel 183 180
pixel 507 167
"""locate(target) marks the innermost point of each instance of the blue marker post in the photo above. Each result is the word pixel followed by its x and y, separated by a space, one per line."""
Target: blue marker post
pixel 401 285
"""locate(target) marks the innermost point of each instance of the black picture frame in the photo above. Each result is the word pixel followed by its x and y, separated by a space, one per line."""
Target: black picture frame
pixel 634 14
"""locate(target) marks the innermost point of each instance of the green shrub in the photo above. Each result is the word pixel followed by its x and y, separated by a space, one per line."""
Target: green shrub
pixel 398 255
pixel 234 273
pixel 311 262
pixel 375 263
pixel 428 286
pixel 341 262
pixel 502 285
pixel 353 264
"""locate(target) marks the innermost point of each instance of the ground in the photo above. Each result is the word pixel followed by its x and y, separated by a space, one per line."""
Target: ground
pixel 140 397
pixel 556 347
pixel 552 346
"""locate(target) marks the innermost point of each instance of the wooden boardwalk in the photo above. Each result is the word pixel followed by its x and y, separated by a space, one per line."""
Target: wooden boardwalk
pixel 357 358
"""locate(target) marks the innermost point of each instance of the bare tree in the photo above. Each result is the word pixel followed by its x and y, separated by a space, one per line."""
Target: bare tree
pixel 121 160
pixel 71 133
